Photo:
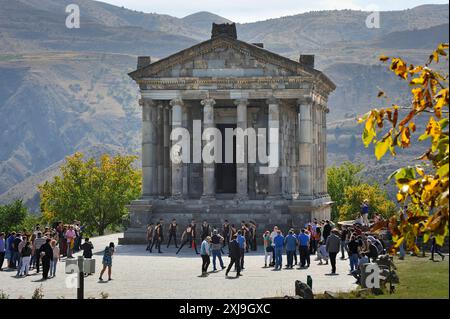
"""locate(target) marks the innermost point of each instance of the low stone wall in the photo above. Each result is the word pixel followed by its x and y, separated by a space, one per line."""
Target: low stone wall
pixel 266 214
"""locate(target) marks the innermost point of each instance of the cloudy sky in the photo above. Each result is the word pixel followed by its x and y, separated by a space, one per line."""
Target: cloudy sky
pixel 256 10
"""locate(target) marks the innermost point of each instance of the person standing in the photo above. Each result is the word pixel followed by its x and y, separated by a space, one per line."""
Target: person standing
pixel 9 249
pixel 365 212
pixel 273 234
pixel 70 239
pixel 333 244
pixel 205 252
pixel 326 230
pixel 268 249
pixel 46 253
pixel 87 248
pixel 303 249
pixel 25 253
pixel 15 249
pixel 37 244
pixel 216 248
pixel 150 231
pixel 291 246
pixel 173 233
pixel 242 246
pixel 226 232
pixel 20 247
pixel 2 250
pixel 206 230
pixel 157 237
pixel 188 238
pixel 235 255
pixel 253 240
pixel 353 253
pixel 56 254
pixel 279 244
pixel 107 261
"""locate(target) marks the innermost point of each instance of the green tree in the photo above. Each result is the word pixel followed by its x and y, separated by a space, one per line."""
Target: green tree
pixel 94 192
pixel 338 179
pixel 12 216
pixel 425 185
pixel 355 195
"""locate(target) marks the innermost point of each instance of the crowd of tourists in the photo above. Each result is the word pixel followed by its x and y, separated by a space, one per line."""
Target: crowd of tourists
pixel 321 239
pixel 42 248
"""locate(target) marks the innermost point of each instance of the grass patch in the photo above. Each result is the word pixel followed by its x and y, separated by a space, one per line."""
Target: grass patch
pixel 420 278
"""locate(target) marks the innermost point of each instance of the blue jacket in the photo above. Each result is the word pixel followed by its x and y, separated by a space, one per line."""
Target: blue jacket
pixel 291 243
pixel 278 241
pixel 303 239
pixel 241 241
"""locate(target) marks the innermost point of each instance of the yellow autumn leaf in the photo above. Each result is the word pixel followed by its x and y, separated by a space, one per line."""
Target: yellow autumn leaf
pixel 381 147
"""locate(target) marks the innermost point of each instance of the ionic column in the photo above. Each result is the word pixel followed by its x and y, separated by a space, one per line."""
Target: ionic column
pixel 209 181
pixel 305 149
pixel 149 140
pixel 177 168
pixel 274 179
pixel 166 145
pixel 241 168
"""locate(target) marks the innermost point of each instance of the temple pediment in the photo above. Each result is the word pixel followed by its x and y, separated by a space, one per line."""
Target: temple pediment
pixel 226 57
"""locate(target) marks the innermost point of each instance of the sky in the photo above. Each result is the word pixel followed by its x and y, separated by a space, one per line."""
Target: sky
pixel 256 10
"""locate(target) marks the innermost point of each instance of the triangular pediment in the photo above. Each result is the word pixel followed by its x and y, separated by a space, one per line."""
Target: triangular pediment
pixel 223 57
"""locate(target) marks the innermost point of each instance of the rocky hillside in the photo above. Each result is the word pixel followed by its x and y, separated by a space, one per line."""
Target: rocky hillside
pixel 64 90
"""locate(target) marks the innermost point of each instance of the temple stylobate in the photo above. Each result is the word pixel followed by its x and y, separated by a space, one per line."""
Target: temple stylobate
pixel 222 84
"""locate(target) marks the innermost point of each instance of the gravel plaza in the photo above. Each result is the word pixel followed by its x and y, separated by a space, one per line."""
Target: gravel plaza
pixel 138 274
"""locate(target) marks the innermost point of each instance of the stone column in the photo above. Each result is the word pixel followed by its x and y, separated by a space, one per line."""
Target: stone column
pixel 274 180
pixel 324 149
pixel 241 168
pixel 305 148
pixel 209 180
pixel 160 150
pixel 177 168
pixel 149 141
pixel 166 144
pixel 186 166
pixel 315 159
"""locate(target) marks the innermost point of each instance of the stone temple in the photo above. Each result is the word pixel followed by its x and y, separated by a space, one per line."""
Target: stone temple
pixel 227 83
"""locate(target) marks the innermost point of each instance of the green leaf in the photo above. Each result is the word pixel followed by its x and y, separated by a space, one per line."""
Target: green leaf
pixel 406 173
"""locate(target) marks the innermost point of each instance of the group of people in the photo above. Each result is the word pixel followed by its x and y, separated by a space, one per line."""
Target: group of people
pixel 156 232
pixel 42 247
pixel 320 238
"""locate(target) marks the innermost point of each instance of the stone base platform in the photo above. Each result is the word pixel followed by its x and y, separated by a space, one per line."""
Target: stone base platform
pixel 266 214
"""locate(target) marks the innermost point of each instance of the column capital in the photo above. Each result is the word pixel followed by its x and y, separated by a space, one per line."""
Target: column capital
pixel 304 100
pixel 176 101
pixel 242 101
pixel 208 102
pixel 272 100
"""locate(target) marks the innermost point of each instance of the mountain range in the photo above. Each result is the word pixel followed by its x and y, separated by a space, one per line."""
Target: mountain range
pixel 66 90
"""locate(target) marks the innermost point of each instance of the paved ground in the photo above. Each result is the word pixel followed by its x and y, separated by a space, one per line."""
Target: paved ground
pixel 137 274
